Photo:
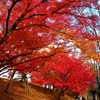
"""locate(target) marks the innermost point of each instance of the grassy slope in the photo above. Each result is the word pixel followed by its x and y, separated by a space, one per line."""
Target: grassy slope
pixel 16 92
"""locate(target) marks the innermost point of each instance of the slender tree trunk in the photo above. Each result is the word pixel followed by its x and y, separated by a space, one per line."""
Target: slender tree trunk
pixel 97 77
pixel 60 93
pixel 98 87
pixel 93 96
pixel 59 96
pixel 25 82
pixel 99 92
pixel 6 90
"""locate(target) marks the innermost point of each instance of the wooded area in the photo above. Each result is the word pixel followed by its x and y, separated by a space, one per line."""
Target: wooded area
pixel 52 42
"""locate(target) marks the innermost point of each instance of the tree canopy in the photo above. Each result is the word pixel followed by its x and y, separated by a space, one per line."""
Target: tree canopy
pixel 34 32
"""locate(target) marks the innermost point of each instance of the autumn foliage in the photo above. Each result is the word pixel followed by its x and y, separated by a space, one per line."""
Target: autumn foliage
pixel 65 72
pixel 36 35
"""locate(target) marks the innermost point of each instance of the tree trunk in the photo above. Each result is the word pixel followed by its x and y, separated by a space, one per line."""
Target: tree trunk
pixel 98 92
pixel 59 96
pixel 25 82
pixel 98 87
pixel 61 92
pixel 6 90
pixel 93 96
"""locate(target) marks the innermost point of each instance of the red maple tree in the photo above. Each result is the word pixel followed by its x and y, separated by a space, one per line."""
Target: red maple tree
pixel 65 72
pixel 23 23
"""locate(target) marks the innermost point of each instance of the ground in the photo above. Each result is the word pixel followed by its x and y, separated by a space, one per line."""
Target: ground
pixel 17 92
